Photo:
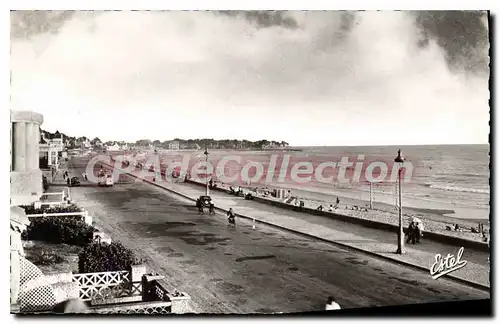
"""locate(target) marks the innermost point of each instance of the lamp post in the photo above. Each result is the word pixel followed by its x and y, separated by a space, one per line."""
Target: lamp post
pixel 400 160
pixel 206 173
pixel 371 195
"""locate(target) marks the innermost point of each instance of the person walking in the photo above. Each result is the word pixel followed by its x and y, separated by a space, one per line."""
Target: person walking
pixel 230 217
pixel 211 209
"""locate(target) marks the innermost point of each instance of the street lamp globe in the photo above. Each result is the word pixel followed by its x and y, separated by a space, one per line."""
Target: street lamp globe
pixel 399 158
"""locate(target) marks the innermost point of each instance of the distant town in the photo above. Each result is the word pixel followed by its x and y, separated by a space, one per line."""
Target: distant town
pixel 60 140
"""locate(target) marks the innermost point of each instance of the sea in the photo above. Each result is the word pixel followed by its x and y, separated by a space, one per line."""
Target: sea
pixel 453 178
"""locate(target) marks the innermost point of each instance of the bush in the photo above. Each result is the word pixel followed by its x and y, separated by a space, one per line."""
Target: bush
pixel 30 210
pixel 59 229
pixel 103 257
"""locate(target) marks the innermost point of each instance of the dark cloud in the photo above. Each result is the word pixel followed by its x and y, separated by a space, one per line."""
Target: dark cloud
pixel 263 19
pixel 27 23
pixel 462 35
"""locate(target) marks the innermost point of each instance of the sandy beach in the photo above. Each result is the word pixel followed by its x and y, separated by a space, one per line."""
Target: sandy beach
pixel 436 219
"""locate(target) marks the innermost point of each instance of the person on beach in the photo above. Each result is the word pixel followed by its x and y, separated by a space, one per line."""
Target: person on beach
pixel 331 304
pixel 337 202
pixel 320 208
pixel 331 208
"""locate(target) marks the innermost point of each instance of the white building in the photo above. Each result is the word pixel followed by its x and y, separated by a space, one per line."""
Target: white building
pixel 57 143
pixel 114 147
pixel 174 145
pixel 86 143
pixel 49 152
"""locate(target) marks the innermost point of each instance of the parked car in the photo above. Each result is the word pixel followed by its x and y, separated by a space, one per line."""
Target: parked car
pixel 74 182
pixel 106 181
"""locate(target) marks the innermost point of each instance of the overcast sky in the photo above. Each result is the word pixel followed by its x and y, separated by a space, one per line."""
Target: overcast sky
pixel 309 78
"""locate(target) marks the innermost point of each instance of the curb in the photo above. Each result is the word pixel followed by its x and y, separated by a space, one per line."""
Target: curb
pixel 343 245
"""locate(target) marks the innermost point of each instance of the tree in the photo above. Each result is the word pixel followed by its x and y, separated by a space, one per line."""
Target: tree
pixel 143 142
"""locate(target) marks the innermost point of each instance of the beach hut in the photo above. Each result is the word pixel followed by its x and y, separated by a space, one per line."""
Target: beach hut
pixel 280 193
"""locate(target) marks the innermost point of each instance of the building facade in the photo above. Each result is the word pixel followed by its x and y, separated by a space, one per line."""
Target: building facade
pixel 114 147
pixel 174 145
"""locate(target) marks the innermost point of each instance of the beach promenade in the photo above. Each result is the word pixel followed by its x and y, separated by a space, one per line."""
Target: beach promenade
pixel 374 241
pixel 246 270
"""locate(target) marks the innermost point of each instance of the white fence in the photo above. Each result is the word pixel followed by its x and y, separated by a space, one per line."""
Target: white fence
pixel 65 198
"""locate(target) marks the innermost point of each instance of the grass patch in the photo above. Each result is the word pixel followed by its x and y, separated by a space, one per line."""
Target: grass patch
pixel 51 257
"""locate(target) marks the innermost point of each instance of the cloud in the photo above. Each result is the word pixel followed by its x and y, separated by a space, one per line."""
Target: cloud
pixel 310 78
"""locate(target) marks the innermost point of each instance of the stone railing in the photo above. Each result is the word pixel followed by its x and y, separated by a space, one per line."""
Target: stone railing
pixel 153 308
pixel 142 293
pixel 108 287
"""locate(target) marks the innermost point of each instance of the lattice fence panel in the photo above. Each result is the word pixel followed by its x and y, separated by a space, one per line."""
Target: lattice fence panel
pixel 105 285
pixel 160 292
pixel 35 292
pixel 167 309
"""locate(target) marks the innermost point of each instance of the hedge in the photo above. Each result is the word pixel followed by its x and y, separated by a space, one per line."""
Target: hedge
pixel 30 210
pixel 59 229
pixel 103 257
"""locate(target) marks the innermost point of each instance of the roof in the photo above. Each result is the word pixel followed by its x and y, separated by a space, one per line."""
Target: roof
pixel 42 139
pixel 18 218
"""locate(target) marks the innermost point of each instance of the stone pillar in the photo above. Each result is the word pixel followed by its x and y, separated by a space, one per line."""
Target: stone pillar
pixel 19 147
pixel 32 139
pixel 25 175
pixel 136 272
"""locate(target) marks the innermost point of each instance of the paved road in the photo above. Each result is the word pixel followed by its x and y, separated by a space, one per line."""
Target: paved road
pixel 242 270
